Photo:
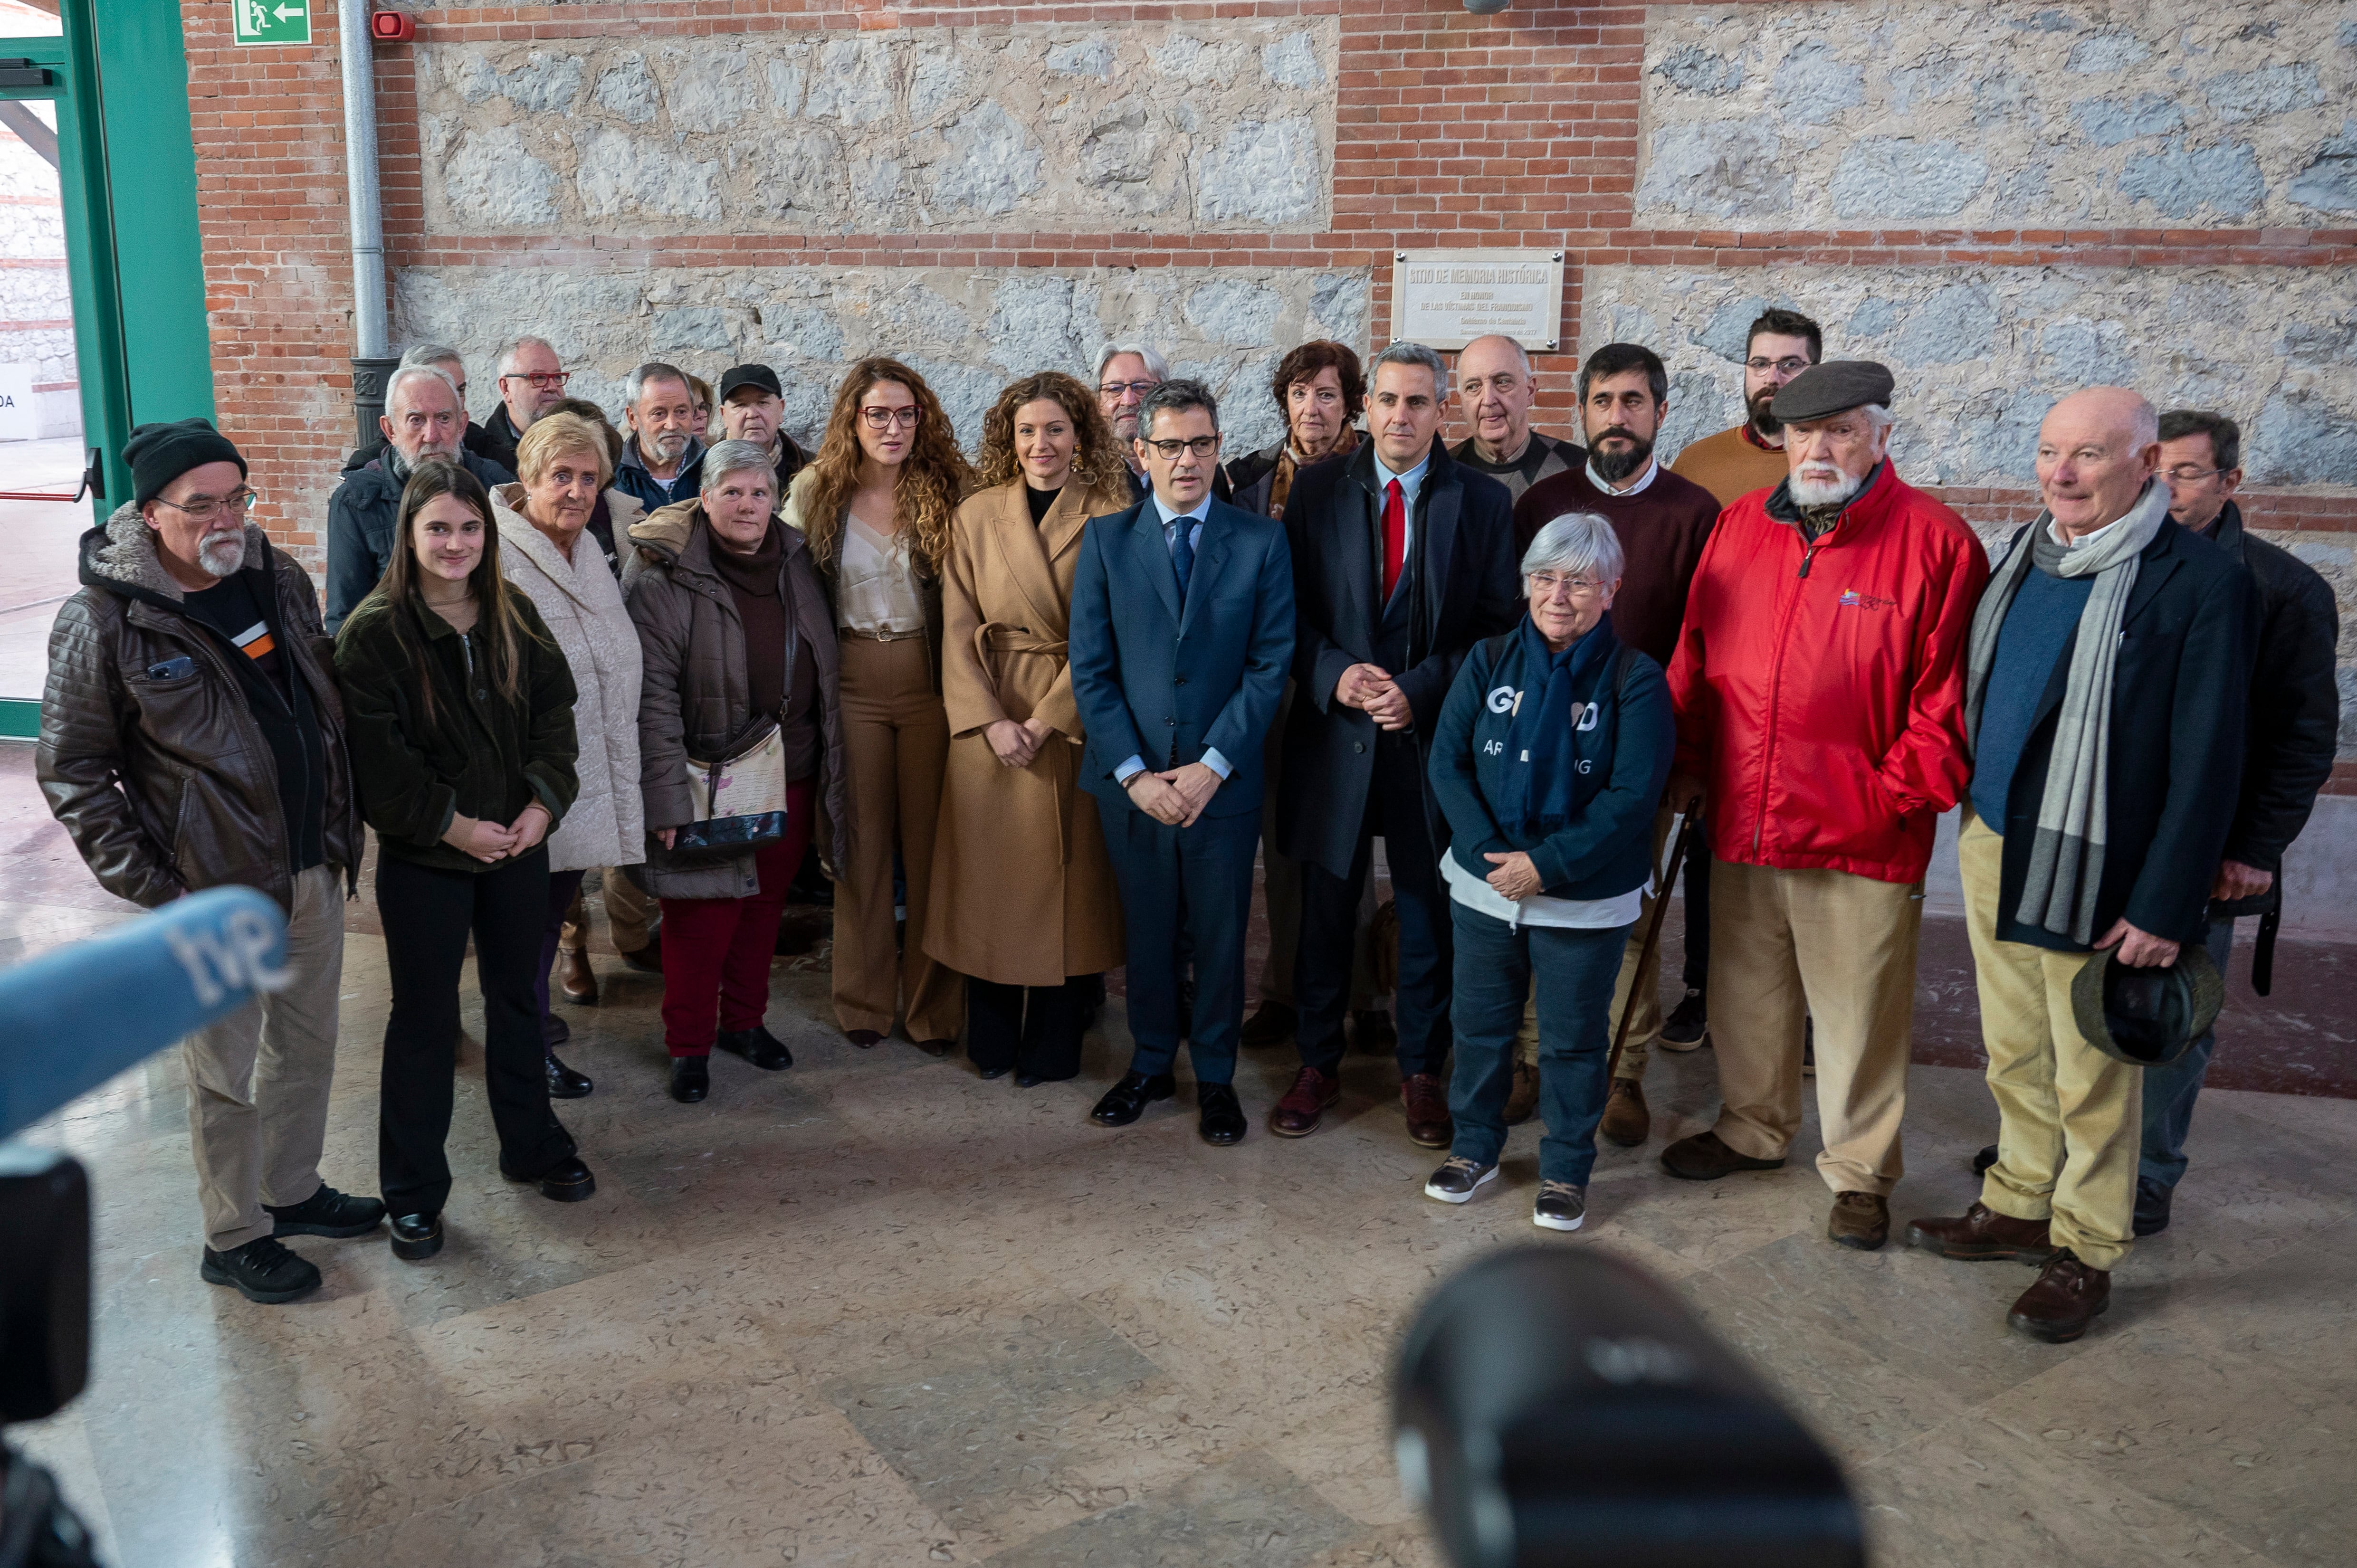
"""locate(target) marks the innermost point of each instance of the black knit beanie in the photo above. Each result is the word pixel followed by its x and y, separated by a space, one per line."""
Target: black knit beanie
pixel 158 454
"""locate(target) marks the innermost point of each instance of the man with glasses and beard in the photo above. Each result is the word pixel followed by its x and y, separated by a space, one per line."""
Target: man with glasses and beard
pixel 1750 457
pixel 1663 523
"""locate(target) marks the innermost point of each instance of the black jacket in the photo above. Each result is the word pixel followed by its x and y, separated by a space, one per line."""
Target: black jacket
pixel 1464 588
pixel 2294 725
pixel 2178 694
pixel 360 517
pixel 480 440
pixel 500 437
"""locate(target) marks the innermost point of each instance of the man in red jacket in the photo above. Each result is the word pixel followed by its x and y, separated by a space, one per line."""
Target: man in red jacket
pixel 1819 688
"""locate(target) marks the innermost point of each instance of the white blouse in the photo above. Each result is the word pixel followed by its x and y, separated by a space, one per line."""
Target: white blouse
pixel 876 591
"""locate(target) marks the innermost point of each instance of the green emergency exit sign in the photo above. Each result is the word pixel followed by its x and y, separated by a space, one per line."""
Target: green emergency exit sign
pixel 261 22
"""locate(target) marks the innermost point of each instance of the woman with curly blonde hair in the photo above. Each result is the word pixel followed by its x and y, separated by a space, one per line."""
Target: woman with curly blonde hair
pixel 875 507
pixel 1018 837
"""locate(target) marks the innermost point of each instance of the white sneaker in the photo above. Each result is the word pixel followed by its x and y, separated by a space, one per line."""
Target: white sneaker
pixel 1560 1207
pixel 1458 1179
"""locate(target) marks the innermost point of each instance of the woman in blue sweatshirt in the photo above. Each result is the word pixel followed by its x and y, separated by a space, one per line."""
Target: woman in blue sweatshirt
pixel 1548 762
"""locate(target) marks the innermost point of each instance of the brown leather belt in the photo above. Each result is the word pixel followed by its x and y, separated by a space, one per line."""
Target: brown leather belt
pixel 878 635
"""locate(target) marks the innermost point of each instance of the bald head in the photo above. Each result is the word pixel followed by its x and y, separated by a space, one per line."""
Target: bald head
pixel 1495 376
pixel 2097 449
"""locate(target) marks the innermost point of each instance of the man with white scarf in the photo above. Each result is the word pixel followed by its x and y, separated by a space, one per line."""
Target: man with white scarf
pixel 2104 702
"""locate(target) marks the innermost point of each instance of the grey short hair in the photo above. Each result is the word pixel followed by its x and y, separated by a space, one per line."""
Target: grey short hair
pixel 430 354
pixel 1879 415
pixel 515 346
pixel 723 458
pixel 1176 395
pixel 411 373
pixel 652 370
pixel 1578 542
pixel 1411 354
pixel 1155 365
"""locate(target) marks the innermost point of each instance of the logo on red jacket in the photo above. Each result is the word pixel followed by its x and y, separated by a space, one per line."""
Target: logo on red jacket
pixel 1866 601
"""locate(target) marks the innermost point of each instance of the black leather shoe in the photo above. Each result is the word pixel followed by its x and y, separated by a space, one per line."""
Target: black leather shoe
pixel 1983 1160
pixel 417 1237
pixel 1126 1101
pixel 563 1083
pixel 1222 1118
pixel 991 1072
pixel 566 1181
pixel 553 1030
pixel 1029 1081
pixel 757 1045
pixel 327 1212
pixel 691 1078
pixel 937 1047
pixel 262 1271
pixel 2152 1204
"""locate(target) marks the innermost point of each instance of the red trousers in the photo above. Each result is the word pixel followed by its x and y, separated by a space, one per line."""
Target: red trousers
pixel 716 952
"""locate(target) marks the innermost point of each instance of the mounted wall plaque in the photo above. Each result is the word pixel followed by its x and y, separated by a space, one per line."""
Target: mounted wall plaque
pixel 1445 299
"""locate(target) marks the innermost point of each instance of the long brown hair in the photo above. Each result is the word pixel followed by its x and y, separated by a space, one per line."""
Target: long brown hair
pixel 495 602
pixel 933 480
pixel 1097 457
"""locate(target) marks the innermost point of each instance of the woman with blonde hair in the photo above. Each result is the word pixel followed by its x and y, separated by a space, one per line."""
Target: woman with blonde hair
pixel 1020 839
pixel 876 506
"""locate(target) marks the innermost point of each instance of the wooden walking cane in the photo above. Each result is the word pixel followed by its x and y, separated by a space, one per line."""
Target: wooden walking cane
pixel 1653 938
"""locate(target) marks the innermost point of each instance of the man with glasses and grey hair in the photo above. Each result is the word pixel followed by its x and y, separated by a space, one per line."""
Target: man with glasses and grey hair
pixel 192 736
pixel 1403 559
pixel 531 383
pixel 1125 373
pixel 425 416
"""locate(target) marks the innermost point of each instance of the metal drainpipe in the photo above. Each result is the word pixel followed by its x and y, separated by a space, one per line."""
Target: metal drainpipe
pixel 372 359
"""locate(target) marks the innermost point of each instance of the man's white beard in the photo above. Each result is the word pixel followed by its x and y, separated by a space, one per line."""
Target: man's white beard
pixel 670 444
pixel 1825 492
pixel 221 556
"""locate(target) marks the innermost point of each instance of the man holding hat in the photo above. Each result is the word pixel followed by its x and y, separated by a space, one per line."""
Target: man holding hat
pixel 2108 669
pixel 192 735
pixel 1819 688
pixel 753 408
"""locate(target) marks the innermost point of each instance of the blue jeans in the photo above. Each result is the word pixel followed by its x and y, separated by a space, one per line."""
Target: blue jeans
pixel 2169 1091
pixel 1575 970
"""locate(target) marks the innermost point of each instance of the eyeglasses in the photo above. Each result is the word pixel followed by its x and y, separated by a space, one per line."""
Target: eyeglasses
pixel 1791 364
pixel 1548 582
pixel 1202 446
pixel 1115 389
pixel 884 418
pixel 2185 475
pixel 205 509
pixel 541 381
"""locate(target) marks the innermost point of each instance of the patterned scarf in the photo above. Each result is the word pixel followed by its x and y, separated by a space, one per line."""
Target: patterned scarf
pixel 1280 483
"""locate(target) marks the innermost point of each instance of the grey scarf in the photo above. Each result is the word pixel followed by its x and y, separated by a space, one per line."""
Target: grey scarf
pixel 2066 860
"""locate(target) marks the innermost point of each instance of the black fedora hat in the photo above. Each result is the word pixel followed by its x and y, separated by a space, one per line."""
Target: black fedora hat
pixel 2147 1017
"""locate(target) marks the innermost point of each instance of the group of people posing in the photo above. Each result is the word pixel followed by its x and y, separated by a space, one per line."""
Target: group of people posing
pixel 1039 713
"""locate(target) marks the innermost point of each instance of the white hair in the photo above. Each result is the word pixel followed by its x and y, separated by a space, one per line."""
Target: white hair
pixel 723 458
pixel 652 370
pixel 409 374
pixel 515 346
pixel 1155 365
pixel 1580 543
pixel 431 354
pixel 1879 415
pixel 1411 354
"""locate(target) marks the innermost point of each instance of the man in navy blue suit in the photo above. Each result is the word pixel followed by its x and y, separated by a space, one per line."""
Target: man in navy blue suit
pixel 1182 632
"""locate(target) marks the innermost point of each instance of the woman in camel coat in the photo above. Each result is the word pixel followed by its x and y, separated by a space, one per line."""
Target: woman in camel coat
pixel 1024 902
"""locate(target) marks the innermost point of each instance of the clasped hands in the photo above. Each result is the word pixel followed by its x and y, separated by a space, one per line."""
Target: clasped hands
pixel 1016 745
pixel 489 843
pixel 1177 797
pixel 1370 689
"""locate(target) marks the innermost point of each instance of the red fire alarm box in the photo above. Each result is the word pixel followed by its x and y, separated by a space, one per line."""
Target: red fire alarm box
pixel 392 26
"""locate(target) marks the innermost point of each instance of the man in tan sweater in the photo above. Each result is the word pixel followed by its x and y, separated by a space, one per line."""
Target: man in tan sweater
pixel 1750 457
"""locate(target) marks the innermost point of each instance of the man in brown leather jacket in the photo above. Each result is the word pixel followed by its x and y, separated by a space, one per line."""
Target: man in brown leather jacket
pixel 191 736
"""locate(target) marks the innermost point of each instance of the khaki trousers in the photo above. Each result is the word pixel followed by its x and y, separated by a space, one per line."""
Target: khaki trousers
pixel 2071 1117
pixel 630 914
pixel 1645 1024
pixel 895 741
pixel 258 1078
pixel 1790 945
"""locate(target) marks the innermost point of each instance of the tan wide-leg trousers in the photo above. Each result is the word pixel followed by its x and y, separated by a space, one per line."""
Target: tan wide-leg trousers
pixel 1790 945
pixel 1645 1023
pixel 630 913
pixel 897 740
pixel 2071 1117
pixel 258 1078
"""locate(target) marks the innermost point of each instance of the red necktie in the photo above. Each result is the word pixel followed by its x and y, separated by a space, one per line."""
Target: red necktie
pixel 1395 536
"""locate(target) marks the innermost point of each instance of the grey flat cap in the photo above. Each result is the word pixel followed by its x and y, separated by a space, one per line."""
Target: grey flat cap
pixel 1823 391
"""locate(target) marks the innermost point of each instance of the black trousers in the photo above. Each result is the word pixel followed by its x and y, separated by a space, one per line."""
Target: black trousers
pixel 1697 874
pixel 428 916
pixel 1330 924
pixel 1034 1029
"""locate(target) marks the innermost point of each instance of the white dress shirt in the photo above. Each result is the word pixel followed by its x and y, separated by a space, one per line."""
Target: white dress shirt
pixel 1193 519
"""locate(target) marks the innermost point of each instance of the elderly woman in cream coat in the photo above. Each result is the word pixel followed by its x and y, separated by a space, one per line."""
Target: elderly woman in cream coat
pixel 564 462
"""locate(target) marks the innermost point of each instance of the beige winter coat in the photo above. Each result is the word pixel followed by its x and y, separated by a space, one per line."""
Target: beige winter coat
pixel 583 606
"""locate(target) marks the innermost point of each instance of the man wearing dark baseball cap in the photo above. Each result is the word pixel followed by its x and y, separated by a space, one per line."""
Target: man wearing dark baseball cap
pixel 753 408
pixel 1819 688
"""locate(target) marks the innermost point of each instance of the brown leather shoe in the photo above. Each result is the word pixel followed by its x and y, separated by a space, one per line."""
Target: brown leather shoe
pixel 1522 1101
pixel 1859 1219
pixel 1982 1235
pixel 579 981
pixel 1372 1033
pixel 1703 1159
pixel 1626 1120
pixel 2067 1297
pixel 1305 1105
pixel 1426 1098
